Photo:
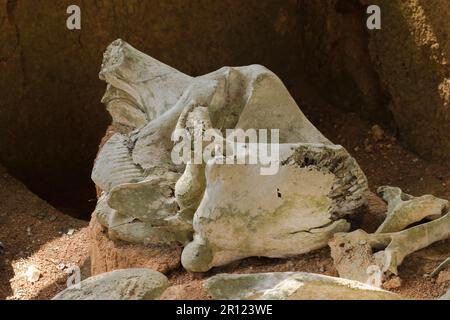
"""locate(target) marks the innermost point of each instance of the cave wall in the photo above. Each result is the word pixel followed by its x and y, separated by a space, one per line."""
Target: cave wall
pixel 411 54
pixel 336 59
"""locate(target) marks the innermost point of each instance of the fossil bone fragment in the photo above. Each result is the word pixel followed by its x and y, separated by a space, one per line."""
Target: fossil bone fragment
pixel 141 93
pixel 291 286
pixel 353 253
pixel 230 211
pixel 140 88
pixel 404 209
pixel 114 165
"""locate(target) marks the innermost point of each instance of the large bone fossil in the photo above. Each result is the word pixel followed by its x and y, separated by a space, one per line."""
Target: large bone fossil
pixel 359 256
pixel 221 212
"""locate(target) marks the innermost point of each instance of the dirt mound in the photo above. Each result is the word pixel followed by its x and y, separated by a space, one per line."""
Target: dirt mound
pixel 108 255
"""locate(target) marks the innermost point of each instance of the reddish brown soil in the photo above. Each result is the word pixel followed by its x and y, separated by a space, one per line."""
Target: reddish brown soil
pixel 385 162
pixel 107 255
pixel 34 233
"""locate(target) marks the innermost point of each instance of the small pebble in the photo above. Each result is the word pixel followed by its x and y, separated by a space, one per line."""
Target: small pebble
pixel 52 218
pixel 32 274
pixel 393 283
pixel 377 133
pixel 71 232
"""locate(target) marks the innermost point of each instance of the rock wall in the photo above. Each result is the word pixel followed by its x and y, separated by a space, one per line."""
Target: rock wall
pixel 411 55
pixel 333 48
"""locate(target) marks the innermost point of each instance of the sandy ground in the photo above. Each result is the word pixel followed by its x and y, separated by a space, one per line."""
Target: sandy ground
pixel 33 233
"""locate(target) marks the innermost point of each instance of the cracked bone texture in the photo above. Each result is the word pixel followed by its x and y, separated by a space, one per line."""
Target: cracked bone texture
pixel 149 199
pixel 291 286
pixel 353 253
pixel 293 212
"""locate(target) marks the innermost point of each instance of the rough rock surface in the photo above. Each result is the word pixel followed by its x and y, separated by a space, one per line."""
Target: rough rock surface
pixel 108 255
pixel 193 290
pixel 126 284
pixel 291 286
pixel 412 57
pixel 444 277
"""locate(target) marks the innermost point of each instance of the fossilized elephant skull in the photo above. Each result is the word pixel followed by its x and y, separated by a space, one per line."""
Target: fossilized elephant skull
pixel 221 212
